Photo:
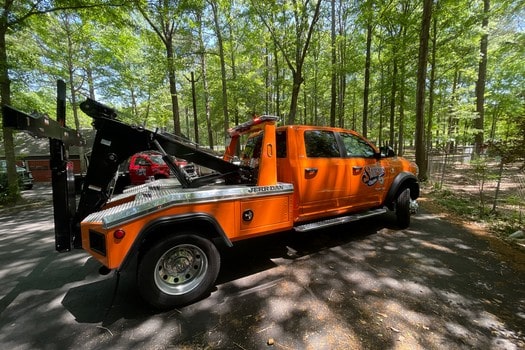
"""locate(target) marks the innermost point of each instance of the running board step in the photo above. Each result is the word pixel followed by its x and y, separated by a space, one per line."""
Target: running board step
pixel 339 220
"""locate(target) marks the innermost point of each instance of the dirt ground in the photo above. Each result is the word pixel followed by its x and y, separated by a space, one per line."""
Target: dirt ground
pixel 511 251
pixel 464 183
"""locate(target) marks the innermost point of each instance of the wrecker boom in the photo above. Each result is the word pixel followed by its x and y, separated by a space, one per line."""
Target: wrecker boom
pixel 114 143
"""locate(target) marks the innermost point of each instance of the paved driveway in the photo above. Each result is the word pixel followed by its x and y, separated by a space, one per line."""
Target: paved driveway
pixel 361 286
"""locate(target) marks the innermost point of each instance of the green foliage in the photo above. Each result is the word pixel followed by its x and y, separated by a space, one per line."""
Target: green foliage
pixel 8 196
pixel 115 53
pixel 461 206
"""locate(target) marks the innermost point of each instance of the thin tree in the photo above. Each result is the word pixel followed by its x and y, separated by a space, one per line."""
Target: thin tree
pixel 421 159
pixel 220 44
pixel 333 92
pixel 366 90
pixel 303 29
pixel 482 77
pixel 161 18
pixel 204 75
pixel 432 83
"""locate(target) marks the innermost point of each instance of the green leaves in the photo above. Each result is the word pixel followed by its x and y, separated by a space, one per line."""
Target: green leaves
pixel 117 51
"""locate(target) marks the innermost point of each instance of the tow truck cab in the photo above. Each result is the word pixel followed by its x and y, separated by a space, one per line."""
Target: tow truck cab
pixel 333 171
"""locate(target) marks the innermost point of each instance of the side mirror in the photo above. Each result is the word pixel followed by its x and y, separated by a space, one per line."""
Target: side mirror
pixel 387 152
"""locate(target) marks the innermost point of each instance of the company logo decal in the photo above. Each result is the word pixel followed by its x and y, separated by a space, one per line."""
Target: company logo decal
pixel 372 175
pixel 265 189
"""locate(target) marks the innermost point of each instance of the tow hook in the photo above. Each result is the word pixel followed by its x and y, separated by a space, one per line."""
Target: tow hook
pixel 414 206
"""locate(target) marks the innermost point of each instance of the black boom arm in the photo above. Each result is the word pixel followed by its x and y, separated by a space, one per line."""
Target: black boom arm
pixel 114 143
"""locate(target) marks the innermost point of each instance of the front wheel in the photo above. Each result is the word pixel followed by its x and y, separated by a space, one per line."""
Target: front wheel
pixel 403 208
pixel 177 271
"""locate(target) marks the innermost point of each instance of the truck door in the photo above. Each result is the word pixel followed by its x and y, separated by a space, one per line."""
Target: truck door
pixel 321 172
pixel 366 175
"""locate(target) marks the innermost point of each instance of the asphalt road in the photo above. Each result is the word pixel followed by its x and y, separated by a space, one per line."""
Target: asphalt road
pixel 365 285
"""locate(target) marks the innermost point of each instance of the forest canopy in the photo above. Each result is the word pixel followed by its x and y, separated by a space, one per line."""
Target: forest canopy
pixel 352 64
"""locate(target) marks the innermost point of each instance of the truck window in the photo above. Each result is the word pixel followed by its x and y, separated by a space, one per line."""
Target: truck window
pixel 321 144
pixel 252 151
pixel 281 144
pixel 356 147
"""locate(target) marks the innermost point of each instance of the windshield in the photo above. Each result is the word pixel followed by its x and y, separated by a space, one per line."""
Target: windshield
pixel 157 159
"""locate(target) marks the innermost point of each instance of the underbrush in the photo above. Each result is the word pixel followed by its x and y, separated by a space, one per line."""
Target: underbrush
pixel 504 221
pixel 7 198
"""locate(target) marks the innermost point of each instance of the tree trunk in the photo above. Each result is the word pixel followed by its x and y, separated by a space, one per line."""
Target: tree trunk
pixel 234 79
pixel 333 92
pixel 393 92
pixel 296 87
pixel 431 86
pixel 315 108
pixel 223 67
pixel 90 81
pixel 381 107
pixel 194 108
pixel 341 102
pixel 267 81
pixel 401 118
pixel 421 156
pixel 452 119
pixel 277 82
pixel 173 86
pixel 5 99
pixel 204 73
pixel 366 90
pixel 480 83
pixel 342 86
pixel 354 112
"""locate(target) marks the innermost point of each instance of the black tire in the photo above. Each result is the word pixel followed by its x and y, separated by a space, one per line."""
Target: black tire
pixel 177 271
pixel 403 208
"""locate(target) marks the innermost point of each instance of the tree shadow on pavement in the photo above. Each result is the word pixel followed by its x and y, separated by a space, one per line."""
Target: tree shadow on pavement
pixel 362 285
pixel 115 298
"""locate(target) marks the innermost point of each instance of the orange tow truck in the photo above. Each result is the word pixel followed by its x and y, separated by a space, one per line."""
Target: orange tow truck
pixel 291 177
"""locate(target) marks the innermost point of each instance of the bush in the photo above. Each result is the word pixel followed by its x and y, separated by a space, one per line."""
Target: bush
pixel 5 196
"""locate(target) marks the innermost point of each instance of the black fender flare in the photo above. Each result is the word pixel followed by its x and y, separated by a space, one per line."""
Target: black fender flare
pixel 402 181
pixel 154 230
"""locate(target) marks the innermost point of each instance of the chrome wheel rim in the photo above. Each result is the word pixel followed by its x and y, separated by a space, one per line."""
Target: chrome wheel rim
pixel 181 269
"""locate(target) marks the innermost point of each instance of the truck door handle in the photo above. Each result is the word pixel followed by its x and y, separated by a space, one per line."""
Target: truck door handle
pixel 310 171
pixel 356 170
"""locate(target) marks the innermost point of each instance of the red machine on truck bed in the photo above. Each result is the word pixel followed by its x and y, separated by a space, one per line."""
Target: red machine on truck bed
pixel 290 177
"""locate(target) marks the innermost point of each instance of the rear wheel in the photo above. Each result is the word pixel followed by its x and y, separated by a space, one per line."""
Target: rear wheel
pixel 403 208
pixel 177 271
